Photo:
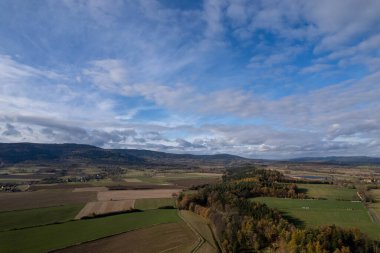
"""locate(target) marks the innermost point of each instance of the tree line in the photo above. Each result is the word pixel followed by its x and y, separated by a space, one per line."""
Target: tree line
pixel 245 226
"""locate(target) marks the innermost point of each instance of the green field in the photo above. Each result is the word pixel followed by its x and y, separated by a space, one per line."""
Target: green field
pixel 313 213
pixel 327 191
pixel 38 216
pixel 146 204
pixel 50 237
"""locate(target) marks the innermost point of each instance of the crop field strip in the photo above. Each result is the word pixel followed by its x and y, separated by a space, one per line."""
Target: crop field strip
pixel 180 179
pixel 123 200
pixel 136 194
pixel 36 187
pixel 168 238
pixel 38 216
pixel 43 198
pixel 57 236
pixel 188 182
pixel 91 189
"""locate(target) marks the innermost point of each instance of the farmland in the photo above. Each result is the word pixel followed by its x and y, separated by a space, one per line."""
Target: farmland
pixel 86 202
pixel 43 198
pixel 313 213
pixel 38 216
pixel 124 200
pixel 172 237
pixel 178 178
pixel 327 191
pixel 42 217
pixel 56 236
pixel 80 208
pixel 136 194
pixel 91 189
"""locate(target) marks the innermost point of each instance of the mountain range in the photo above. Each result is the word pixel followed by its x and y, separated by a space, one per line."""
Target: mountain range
pixel 16 153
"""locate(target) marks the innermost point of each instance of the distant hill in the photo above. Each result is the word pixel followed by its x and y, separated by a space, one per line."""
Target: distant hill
pixel 152 156
pixel 14 153
pixel 343 160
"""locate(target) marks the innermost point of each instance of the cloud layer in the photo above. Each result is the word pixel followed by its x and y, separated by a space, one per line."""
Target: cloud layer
pixel 269 79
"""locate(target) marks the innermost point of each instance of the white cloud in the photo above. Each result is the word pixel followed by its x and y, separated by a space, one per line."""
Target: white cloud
pixel 11 71
pixel 203 69
pixel 107 74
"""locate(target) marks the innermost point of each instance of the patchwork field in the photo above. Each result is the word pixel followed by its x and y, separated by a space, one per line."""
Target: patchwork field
pixel 178 178
pixel 57 236
pixel 169 238
pixel 146 204
pixel 43 198
pixel 36 187
pixel 103 207
pixel 38 216
pixel 136 194
pixel 123 200
pixel 313 213
pixel 329 191
pixel 189 182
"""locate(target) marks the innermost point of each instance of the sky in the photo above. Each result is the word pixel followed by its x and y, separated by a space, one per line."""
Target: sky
pixel 261 79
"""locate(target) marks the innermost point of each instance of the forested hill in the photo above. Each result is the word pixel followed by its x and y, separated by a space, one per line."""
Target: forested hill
pixel 343 160
pixel 13 153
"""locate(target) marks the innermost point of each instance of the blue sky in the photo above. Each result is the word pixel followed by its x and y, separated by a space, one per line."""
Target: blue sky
pixel 263 79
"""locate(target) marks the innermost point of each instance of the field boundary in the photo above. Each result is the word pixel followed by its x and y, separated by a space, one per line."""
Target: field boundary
pixel 27 209
pixel 215 245
pixel 201 240
pixel 36 226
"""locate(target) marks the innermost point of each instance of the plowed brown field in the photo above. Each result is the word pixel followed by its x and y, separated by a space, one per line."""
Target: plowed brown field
pixel 168 238
pixel 43 198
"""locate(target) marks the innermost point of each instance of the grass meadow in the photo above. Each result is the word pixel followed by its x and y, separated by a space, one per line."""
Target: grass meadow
pixel 327 191
pixel 314 213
